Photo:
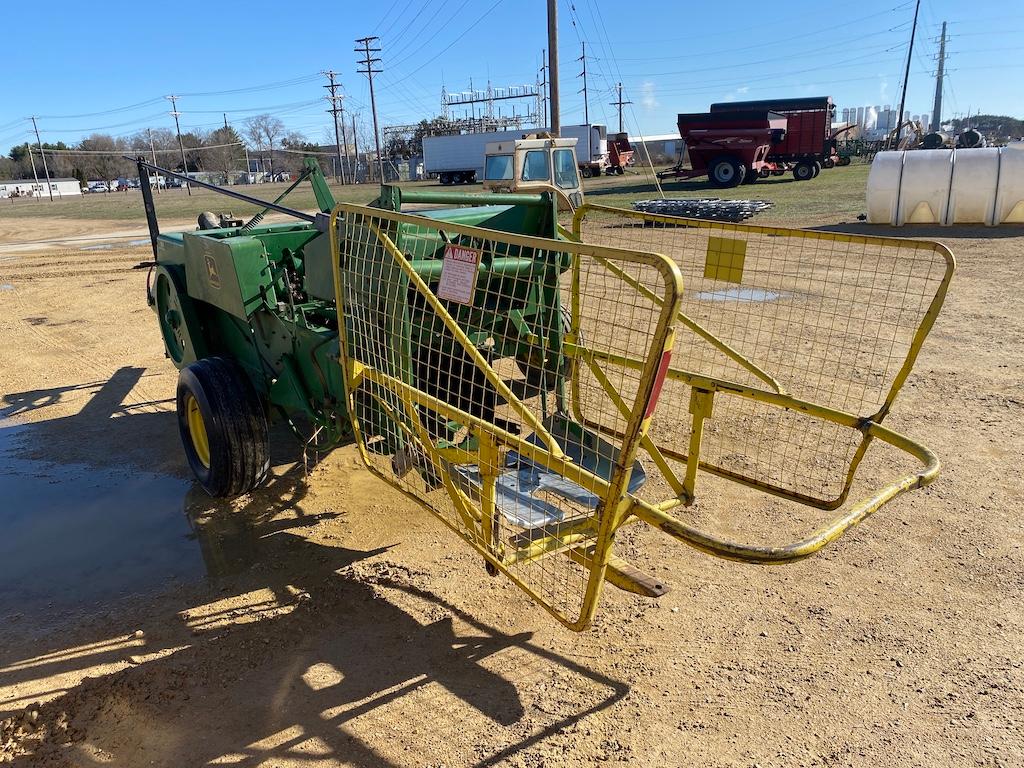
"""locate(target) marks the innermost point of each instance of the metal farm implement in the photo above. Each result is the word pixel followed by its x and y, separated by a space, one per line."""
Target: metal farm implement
pixel 539 391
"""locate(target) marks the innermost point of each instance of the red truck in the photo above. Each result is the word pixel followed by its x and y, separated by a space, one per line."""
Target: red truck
pixel 809 143
pixel 732 147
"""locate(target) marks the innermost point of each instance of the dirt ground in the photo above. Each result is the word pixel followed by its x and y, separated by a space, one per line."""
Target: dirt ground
pixel 325 620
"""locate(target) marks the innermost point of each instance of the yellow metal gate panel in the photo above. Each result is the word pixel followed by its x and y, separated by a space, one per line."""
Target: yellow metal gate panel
pixel 790 350
pixel 489 393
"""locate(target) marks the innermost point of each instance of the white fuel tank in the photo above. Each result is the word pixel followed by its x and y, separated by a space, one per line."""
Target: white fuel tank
pixel 947 186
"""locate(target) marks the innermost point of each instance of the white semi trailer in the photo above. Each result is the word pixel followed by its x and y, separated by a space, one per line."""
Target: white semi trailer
pixel 460 159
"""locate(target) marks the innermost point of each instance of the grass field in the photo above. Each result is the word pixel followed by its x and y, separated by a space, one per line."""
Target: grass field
pixel 836 195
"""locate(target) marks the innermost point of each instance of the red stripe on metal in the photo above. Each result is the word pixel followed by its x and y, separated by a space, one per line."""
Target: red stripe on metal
pixel 659 380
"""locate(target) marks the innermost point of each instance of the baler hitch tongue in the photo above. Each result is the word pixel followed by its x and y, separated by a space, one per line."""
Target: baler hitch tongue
pixel 528 391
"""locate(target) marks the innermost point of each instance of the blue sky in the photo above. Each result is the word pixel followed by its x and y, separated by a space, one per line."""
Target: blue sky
pixel 105 66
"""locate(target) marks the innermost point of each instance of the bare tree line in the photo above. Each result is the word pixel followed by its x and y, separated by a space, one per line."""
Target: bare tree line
pixel 221 151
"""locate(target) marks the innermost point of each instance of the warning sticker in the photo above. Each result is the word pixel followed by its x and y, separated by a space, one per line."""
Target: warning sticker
pixel 458 274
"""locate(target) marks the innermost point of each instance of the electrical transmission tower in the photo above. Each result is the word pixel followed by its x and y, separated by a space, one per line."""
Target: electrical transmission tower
pixel 937 106
pixel 620 104
pixel 368 61
pixel 337 108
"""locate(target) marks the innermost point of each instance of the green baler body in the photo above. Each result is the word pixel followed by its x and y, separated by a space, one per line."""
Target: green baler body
pixel 265 298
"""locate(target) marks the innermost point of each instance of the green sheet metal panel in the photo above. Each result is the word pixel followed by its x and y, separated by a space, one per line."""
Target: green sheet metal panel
pixel 232 273
pixel 317 258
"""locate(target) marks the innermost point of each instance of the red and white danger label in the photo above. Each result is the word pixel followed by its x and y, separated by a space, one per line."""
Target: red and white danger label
pixel 458 274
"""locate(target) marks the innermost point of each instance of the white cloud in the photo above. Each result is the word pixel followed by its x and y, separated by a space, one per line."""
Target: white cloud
pixel 647 98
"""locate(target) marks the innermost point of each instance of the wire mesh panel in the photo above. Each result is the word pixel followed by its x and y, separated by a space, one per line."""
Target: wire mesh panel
pixel 470 358
pixel 830 319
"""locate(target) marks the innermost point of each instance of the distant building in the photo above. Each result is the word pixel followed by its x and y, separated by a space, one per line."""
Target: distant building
pixel 29 188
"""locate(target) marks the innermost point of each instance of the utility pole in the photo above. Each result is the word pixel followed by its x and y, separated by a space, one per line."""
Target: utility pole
pixel 225 119
pixel 556 115
pixel 586 105
pixel 46 171
pixel 368 61
pixel 620 103
pixel 542 88
pixel 937 106
pixel 335 100
pixel 152 151
pixel 32 162
pixel 355 151
pixel 181 145
pixel 895 139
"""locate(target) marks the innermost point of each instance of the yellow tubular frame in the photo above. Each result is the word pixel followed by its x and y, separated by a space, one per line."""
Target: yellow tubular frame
pixel 588 540
pixel 615 502
pixel 705 388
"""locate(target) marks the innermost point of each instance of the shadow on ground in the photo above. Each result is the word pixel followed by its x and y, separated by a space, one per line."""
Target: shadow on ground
pixel 926 231
pixel 700 187
pixel 331 652
pixel 292 648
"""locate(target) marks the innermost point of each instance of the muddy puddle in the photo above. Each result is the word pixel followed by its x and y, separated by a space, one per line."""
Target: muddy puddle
pixel 739 294
pixel 75 535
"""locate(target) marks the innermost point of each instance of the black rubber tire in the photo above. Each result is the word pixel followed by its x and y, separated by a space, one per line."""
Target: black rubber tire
pixel 829 163
pixel 726 171
pixel 445 179
pixel 765 172
pixel 803 171
pixel 586 172
pixel 751 176
pixel 843 161
pixel 778 172
pixel 816 166
pixel 235 424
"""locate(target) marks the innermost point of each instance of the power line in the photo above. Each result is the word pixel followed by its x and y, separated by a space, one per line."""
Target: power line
pixel 461 35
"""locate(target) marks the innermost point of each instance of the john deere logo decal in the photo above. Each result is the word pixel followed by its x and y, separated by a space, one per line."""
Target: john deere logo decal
pixel 211 271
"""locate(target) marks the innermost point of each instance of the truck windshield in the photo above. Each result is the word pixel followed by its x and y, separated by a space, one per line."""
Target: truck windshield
pixel 565 169
pixel 498 168
pixel 535 166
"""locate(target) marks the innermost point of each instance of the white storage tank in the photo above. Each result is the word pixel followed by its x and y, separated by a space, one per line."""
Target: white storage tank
pixel 1009 207
pixel 972 193
pixel 947 186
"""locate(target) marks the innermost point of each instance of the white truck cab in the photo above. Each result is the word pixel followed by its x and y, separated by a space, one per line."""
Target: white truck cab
pixel 534 163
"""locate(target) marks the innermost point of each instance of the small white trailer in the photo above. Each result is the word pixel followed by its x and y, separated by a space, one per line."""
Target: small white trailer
pixel 460 159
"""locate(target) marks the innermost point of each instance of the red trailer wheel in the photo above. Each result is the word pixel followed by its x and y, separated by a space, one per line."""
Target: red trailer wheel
pixel 726 171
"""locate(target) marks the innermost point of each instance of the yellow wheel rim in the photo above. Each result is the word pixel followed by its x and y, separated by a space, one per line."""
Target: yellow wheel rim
pixel 197 431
